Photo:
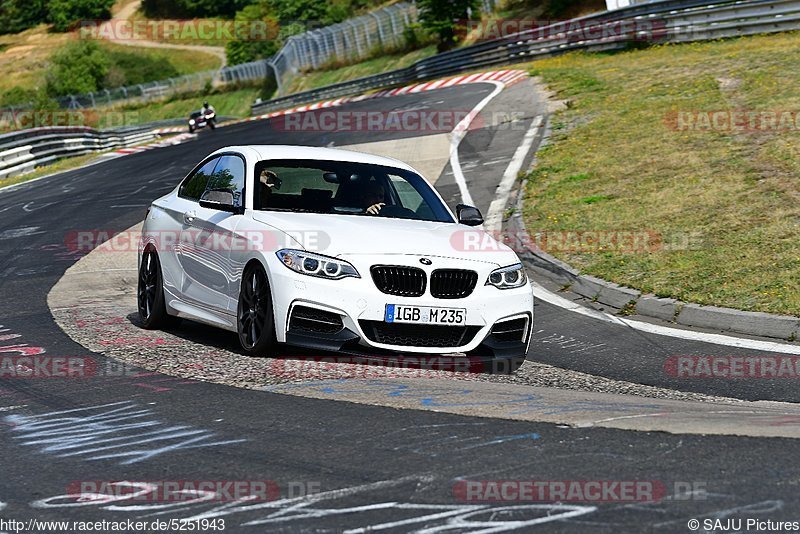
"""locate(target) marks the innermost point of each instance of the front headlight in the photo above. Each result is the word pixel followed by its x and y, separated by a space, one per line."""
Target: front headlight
pixel 508 277
pixel 316 264
pixel 191 121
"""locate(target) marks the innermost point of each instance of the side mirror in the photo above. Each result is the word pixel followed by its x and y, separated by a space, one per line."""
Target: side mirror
pixel 220 200
pixel 469 215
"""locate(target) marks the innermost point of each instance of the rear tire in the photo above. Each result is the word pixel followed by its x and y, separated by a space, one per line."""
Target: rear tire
pixel 255 320
pixel 150 293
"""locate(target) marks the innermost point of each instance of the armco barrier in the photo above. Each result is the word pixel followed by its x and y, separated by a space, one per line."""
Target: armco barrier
pixel 21 152
pixel 672 21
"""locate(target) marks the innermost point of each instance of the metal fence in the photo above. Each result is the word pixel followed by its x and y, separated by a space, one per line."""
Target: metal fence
pixel 348 41
pixel 141 92
pixel 667 20
pixel 351 40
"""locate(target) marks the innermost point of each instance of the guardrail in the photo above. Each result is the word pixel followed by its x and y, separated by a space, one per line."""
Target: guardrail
pixel 21 152
pixel 669 21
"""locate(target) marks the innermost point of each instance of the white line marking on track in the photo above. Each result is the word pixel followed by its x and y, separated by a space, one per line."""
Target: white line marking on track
pixel 494 217
pixel 540 292
pixel 459 132
pixel 494 223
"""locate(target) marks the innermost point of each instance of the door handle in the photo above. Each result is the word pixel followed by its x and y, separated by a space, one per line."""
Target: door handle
pixel 189 217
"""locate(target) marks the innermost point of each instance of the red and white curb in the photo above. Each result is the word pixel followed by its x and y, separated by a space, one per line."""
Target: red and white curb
pixel 172 129
pixel 174 140
pixel 505 77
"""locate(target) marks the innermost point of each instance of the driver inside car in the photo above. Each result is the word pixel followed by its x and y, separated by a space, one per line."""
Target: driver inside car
pixel 373 198
pixel 269 182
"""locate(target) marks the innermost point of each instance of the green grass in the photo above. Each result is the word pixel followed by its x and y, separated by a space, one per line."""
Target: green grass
pixel 726 205
pixel 25 61
pixel 179 61
pixel 383 63
pixel 61 165
pixel 235 103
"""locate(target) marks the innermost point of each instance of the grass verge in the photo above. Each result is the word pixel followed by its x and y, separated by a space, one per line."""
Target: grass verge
pixel 725 203
pixel 228 103
pixel 25 61
pixel 62 165
pixel 320 78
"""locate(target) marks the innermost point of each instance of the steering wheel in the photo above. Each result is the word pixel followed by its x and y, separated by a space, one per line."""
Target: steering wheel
pixel 397 211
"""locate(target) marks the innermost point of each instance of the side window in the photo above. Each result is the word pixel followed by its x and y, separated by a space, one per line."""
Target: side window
pixel 195 186
pixel 229 174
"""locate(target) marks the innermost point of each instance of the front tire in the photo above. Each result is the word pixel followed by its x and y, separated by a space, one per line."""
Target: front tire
pixel 255 320
pixel 150 293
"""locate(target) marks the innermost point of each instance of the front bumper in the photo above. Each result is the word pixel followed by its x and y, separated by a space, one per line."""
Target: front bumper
pixel 361 307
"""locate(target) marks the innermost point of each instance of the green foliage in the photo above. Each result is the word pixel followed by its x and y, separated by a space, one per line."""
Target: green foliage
pixel 130 68
pixel 19 15
pixel 84 66
pixel 64 14
pixel 35 98
pixel 192 8
pixel 80 67
pixel 260 45
pixel 245 51
pixel 446 19
pixel 268 87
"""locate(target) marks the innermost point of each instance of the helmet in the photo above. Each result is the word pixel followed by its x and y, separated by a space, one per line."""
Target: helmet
pixel 205 104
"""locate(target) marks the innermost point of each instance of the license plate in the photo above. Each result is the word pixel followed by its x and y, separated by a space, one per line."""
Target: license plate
pixel 400 313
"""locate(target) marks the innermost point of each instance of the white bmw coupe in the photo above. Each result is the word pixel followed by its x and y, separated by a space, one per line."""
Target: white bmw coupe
pixel 331 250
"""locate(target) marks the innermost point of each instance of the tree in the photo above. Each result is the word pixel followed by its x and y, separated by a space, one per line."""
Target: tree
pixel 79 67
pixel 259 43
pixel 19 15
pixel 64 14
pixel 446 19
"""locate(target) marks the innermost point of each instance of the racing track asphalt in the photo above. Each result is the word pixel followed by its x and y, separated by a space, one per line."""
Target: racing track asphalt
pixel 384 455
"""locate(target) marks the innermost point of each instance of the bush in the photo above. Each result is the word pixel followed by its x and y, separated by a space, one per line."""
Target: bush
pixel 64 14
pixel 192 8
pixel 130 68
pixel 19 15
pixel 80 67
pixel 442 19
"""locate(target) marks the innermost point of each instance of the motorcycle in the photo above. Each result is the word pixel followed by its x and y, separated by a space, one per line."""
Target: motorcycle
pixel 201 119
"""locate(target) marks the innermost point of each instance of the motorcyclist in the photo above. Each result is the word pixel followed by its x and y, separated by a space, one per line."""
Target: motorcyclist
pixel 207 110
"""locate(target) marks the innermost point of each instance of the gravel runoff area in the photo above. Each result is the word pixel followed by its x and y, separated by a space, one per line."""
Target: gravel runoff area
pixel 95 304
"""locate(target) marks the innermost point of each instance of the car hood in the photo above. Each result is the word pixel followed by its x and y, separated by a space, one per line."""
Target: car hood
pixel 347 235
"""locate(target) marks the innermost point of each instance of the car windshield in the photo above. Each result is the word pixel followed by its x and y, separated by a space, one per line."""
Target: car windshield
pixel 345 188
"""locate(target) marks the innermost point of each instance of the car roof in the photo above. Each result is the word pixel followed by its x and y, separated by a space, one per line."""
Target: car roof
pixel 284 152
